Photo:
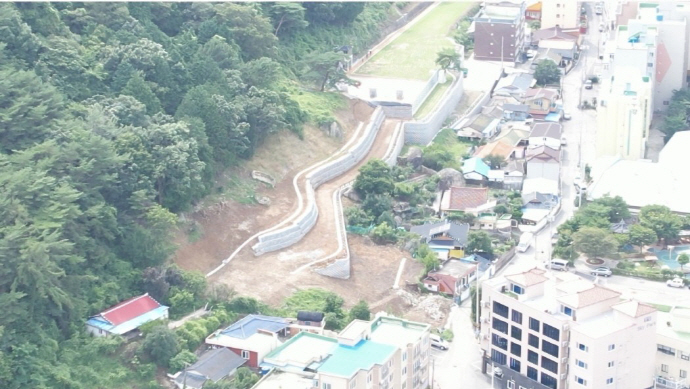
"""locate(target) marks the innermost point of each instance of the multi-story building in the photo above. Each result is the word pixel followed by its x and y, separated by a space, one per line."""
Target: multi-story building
pixel 624 114
pixel 385 353
pixel 561 13
pixel 547 330
pixel 673 349
pixel 499 32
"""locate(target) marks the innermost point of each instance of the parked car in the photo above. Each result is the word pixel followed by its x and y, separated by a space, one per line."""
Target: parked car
pixel 564 142
pixel 557 264
pixel 676 283
pixel 602 271
pixel 566 115
pixel 554 239
pixel 588 84
pixel 531 54
pixel 438 342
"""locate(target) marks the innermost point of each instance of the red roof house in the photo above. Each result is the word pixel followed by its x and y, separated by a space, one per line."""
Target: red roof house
pixel 470 200
pixel 126 316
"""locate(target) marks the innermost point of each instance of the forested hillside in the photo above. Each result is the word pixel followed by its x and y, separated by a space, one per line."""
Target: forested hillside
pixel 115 116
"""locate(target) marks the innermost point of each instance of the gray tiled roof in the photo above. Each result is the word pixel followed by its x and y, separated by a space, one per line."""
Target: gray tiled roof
pixel 458 232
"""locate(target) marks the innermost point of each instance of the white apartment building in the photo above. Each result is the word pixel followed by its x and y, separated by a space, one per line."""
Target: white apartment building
pixel 557 330
pixel 673 349
pixel 624 114
pixel 562 13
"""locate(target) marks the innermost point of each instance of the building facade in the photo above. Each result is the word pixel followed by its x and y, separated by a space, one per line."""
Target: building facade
pixel 673 349
pixel 499 33
pixel 561 331
pixel 561 13
pixel 624 115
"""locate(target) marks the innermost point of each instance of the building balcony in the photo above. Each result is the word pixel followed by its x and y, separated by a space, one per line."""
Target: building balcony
pixel 669 383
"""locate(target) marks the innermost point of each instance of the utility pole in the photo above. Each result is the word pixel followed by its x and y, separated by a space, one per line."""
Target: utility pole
pixel 502 56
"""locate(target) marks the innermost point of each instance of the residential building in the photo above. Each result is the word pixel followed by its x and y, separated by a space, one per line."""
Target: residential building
pixel 543 162
pixel 497 148
pixel 514 84
pixel 514 173
pixel 556 330
pixel 508 144
pixel 212 365
pixel 499 33
pixel 546 134
pixel 386 353
pixel 560 13
pixel 446 238
pixel 475 169
pixel 555 36
pixel 673 349
pixel 483 124
pixel 534 187
pixel 126 317
pixel 492 221
pixel 533 11
pixel 515 112
pixel 542 102
pixel 453 278
pixel 624 115
pixel 252 337
pixel 465 199
pixel 644 182
pixel 307 321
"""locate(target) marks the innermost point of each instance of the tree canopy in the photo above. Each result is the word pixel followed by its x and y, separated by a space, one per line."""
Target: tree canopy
pixel 547 72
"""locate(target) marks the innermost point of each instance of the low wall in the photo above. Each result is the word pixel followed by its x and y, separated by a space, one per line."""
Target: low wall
pixel 504 259
pixel 397 111
pixel 423 132
pixel 428 88
pixel 287 236
pixel 395 147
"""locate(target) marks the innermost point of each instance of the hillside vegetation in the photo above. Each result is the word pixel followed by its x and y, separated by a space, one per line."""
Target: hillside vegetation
pixel 115 116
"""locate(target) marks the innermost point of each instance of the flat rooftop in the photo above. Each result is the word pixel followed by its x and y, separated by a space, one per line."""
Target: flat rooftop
pixel 283 380
pixel 601 325
pixel 397 332
pixel 302 349
pixel 674 331
pixel 346 361
pixel 456 268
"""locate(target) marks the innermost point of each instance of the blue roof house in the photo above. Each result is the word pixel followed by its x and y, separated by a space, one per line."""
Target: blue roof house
pixel 475 169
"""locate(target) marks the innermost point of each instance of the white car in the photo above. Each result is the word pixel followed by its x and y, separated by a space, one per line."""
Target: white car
pixel 676 283
pixel 438 342
pixel 602 271
pixel 566 115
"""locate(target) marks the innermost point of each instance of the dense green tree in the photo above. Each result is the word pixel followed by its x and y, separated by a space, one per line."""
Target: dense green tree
pixel 140 90
pixel 547 72
pixel 640 236
pixel 161 345
pixel 324 68
pixel 357 217
pixel 448 58
pixel 20 42
pixel 338 13
pixel 594 242
pixel 374 178
pixel 594 215
pixel 183 359
pixel 683 259
pixel 495 161
pixel 225 55
pixel 287 17
pixel 261 73
pixel 618 208
pixel 479 241
pixel 376 205
pixel 659 218
pixel 248 28
pixel 383 234
pixel 360 311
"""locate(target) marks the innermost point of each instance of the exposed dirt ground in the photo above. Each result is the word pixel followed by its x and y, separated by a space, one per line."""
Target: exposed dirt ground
pixel 226 222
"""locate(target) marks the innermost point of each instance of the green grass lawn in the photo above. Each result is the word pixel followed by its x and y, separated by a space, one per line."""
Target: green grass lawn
pixel 434 97
pixel 447 140
pixel 412 55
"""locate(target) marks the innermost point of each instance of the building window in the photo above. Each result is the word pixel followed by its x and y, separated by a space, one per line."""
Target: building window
pixel 369 378
pixel 515 349
pixel 531 373
pixel 511 385
pixel 666 349
pixel 533 324
pixel 353 383
pixel 666 102
pixel 683 373
pixel 548 380
pixel 500 325
pixel 533 341
pixel 517 289
pixel 326 386
pixel 558 15
pixel 581 363
pixel 498 357
pixel 558 6
pixel 580 381
pixel 245 354
pixel 549 364
pixel 684 356
pixel 533 357
pixel 515 332
pixel 611 364
pixel 515 364
pixel 404 356
pixel 582 347
pixel 549 348
pixel 516 316
pixel 664 368
pixel 567 310
pixel 404 371
pixel 647 319
pixel 500 309
pixel 552 332
pixel 609 381
pixel 499 341
pixel 650 64
pixel 612 347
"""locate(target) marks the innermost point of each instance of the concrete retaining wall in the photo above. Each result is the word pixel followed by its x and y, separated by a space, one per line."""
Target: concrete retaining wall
pixel 287 236
pixel 423 132
pixel 397 111
pixel 395 147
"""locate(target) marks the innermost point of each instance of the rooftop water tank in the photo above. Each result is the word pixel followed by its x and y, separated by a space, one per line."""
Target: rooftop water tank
pixel 659 18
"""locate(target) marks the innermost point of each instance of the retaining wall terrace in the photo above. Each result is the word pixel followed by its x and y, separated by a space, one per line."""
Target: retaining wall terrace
pixel 287 236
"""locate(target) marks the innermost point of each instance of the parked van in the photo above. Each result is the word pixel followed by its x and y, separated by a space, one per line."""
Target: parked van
pixel 525 241
pixel 558 264
pixel 438 342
